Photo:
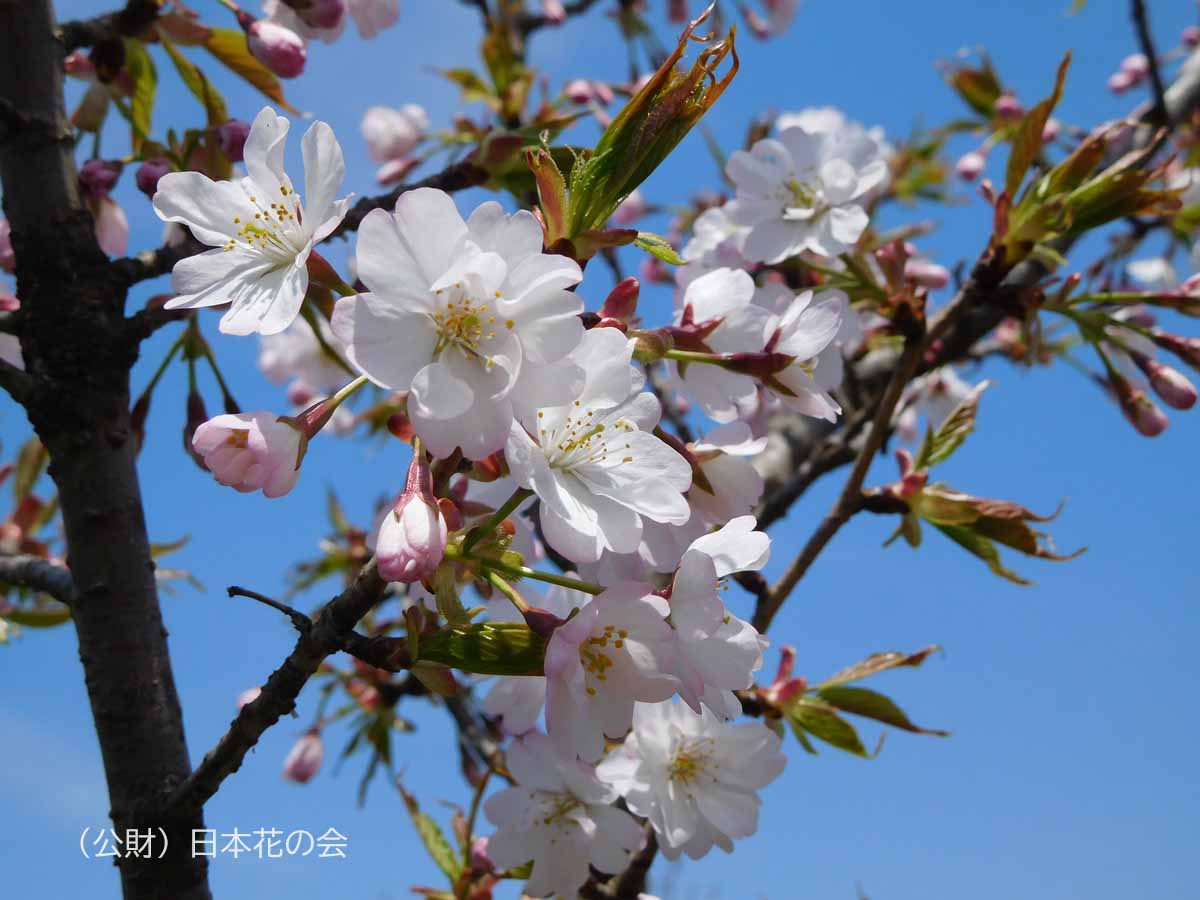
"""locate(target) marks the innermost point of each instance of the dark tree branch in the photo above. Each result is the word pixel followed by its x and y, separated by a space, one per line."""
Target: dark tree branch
pixel 76 393
pixel 1158 115
pixel 41 575
pixel 327 635
pixel 153 263
pixel 17 383
pixel 131 21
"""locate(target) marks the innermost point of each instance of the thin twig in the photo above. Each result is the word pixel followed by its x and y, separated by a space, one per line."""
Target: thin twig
pixel 328 634
pixel 299 619
pixel 1141 24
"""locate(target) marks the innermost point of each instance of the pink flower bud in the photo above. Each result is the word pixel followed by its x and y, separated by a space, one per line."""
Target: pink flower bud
pixel 621 303
pixel 1051 131
pixel 579 91
pixel 1008 107
pixel 79 65
pixel 1136 66
pixel 1120 82
pixel 677 11
pixel 480 861
pixel 98 176
pixel 251 451
pixel 655 271
pixel 554 12
pixel 1187 349
pixel 1143 414
pixel 324 14
pixel 8 259
pixel 197 415
pixel 304 759
pixel 279 49
pixel 148 174
pixel 395 170
pixel 412 537
pixel 604 94
pixel 630 210
pixel 1171 385
pixel 927 274
pixel 970 165
pixel 112 228
pixel 248 696
pixel 232 136
pixel 1190 36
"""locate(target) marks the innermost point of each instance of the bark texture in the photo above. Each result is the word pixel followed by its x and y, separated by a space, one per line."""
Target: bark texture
pixel 78 351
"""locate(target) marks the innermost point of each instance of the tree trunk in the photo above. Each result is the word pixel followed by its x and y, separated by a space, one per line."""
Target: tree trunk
pixel 78 352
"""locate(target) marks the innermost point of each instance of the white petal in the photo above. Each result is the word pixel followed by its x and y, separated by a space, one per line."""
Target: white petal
pixel 207 207
pixel 387 344
pixel 324 170
pixel 263 153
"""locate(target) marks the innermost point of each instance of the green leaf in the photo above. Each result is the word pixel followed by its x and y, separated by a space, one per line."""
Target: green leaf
pixel 47 617
pixel 199 85
pixel 487 648
pixel 1027 143
pixel 145 87
pixel 657 246
pixel 979 545
pixel 801 737
pixel 230 49
pixel 938 446
pixel 433 838
pixel 822 721
pixel 872 705
pixel 31 463
pixel 879 662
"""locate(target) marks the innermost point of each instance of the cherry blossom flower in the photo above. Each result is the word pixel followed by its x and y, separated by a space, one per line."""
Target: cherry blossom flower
pixel 694 777
pixel 616 650
pixel 718 314
pixel 251 451
pixel 262 233
pixel 392 134
pixel 412 537
pixel 863 145
pixel 716 653
pixel 304 759
pixel 803 191
pixel 933 396
pixel 594 463
pixel 558 815
pixel 806 331
pixel 716 242
pixel 456 309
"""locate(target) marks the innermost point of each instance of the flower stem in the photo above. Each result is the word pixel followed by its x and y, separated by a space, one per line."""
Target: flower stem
pixel 508 591
pixel 691 356
pixel 519 496
pixel 512 571
pixel 336 400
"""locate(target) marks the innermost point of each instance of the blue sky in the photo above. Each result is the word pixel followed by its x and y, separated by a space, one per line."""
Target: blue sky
pixel 1071 768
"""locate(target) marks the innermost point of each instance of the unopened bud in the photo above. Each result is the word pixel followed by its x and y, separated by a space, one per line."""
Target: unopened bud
pixel 1136 66
pixel 1143 414
pixel 1171 385
pixel 279 49
pixel 480 861
pixel 232 137
pixel 554 12
pixel 8 259
pixel 401 426
pixel 412 538
pixel 1187 349
pixel 651 346
pixel 927 274
pixel 677 11
pixel 1190 36
pixel 395 170
pixel 148 174
pixel 197 415
pixel 621 302
pixel 1120 82
pixel 304 759
pixel 1008 107
pixel 98 176
pixel 970 165
pixel 542 622
pixel 1051 130
pixel 579 91
pixel 248 696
